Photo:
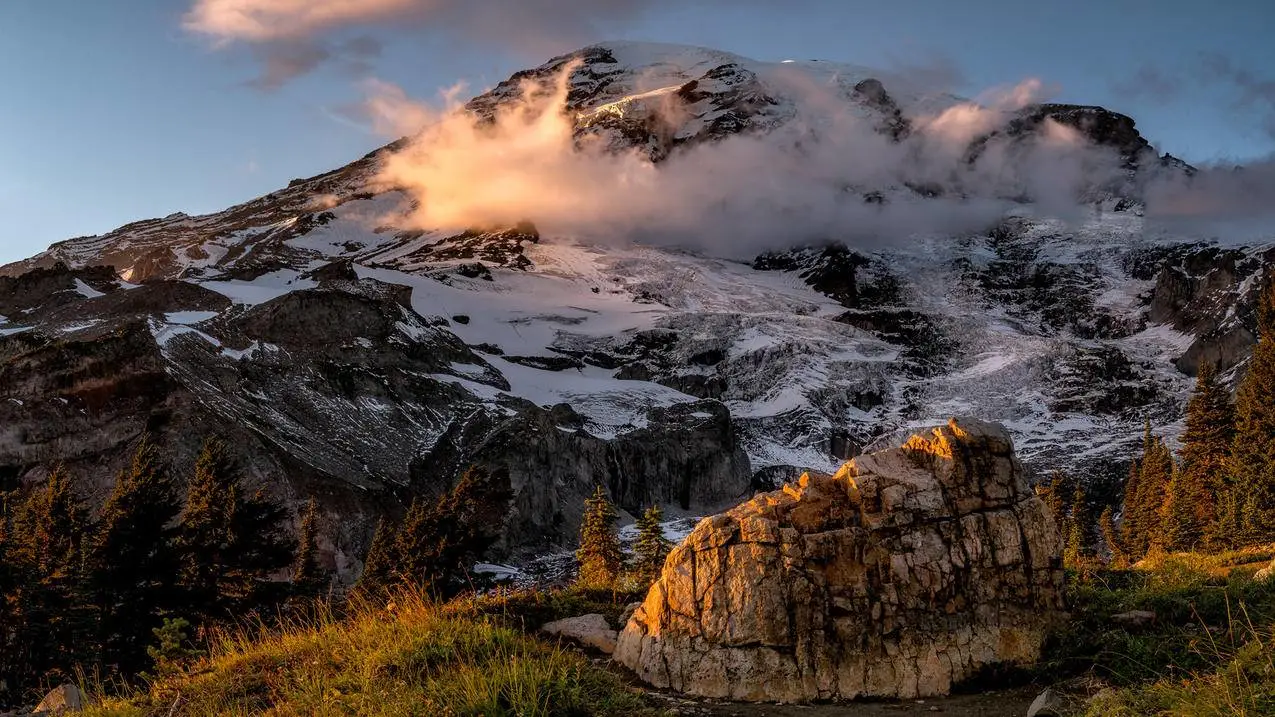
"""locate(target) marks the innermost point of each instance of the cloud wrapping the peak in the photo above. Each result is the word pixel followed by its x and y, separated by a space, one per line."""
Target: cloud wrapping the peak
pixel 810 180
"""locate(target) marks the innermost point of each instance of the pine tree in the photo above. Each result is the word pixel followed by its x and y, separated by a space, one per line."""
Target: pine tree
pixel 1058 499
pixel 307 575
pixel 1252 459
pixel 1144 496
pixel 48 619
pixel 1182 523
pixel 228 542
pixel 1225 531
pixel 600 557
pixel 1206 443
pixel 1252 529
pixel 130 560
pixel 1078 527
pixel 438 540
pixel 378 565
pixel 1107 526
pixel 652 547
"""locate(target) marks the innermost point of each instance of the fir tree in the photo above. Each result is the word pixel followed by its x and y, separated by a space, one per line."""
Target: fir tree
pixel 652 547
pixel 1252 527
pixel 307 575
pixel 1226 529
pixel 130 561
pixel 1107 526
pixel 378 565
pixel 1058 499
pixel 228 542
pixel 1144 496
pixel 1182 523
pixel 600 557
pixel 48 619
pixel 1252 459
pixel 1206 443
pixel 1078 527
pixel 439 539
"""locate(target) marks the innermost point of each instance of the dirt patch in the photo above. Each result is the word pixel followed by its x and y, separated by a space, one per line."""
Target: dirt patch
pixel 1008 703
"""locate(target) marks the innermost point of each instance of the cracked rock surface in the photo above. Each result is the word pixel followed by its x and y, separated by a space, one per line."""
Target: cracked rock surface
pixel 901 575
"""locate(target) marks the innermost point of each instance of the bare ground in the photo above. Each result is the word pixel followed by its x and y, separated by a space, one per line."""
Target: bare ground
pixel 1006 703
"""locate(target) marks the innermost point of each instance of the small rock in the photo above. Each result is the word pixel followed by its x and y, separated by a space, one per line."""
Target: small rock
pixel 461 318
pixel 1265 574
pixel 589 630
pixel 1047 704
pixel 1134 618
pixel 628 613
pixel 63 699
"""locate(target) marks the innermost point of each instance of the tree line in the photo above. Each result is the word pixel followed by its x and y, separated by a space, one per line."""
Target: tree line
pixel 98 594
pixel 1218 492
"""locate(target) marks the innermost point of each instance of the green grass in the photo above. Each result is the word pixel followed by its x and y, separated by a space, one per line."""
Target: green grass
pixel 1211 650
pixel 410 657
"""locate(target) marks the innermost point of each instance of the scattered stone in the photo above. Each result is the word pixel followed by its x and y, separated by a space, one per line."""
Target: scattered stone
pixel 1134 619
pixel 903 574
pixel 1047 704
pixel 63 699
pixel 1265 574
pixel 588 630
pixel 628 613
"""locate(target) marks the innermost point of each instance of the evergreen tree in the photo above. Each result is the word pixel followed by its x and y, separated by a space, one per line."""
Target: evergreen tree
pixel 1206 444
pixel 228 542
pixel 600 557
pixel 652 547
pixel 1182 523
pixel 1226 529
pixel 1252 459
pixel 307 575
pixel 1252 528
pixel 438 540
pixel 1078 527
pixel 1144 496
pixel 130 561
pixel 1107 526
pixel 378 566
pixel 48 622
pixel 1058 499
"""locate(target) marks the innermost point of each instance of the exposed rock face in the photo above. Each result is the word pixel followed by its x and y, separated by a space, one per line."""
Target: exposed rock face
pixel 900 576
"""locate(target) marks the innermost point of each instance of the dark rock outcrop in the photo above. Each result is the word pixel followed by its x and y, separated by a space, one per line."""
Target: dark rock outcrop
pixel 687 455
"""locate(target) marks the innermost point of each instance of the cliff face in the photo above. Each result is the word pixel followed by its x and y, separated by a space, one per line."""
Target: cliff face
pixel 903 574
pixel 333 387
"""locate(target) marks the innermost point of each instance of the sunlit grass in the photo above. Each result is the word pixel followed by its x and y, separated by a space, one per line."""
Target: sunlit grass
pixel 408 656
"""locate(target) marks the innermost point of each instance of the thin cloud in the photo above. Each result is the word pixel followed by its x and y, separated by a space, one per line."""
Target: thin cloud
pixel 1150 83
pixel 284 61
pixel 293 37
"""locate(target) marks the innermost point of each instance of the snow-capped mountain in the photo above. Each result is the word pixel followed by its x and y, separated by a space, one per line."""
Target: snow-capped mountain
pixel 349 354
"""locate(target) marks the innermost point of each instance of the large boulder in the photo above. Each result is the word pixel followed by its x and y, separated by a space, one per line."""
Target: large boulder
pixel 903 574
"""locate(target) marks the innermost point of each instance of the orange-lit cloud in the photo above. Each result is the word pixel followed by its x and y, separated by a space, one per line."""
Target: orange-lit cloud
pixel 264 20
pixel 801 182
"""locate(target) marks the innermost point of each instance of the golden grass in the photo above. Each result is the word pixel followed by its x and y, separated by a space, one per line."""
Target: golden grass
pixel 407 657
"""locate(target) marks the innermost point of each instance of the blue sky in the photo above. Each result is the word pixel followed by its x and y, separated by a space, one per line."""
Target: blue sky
pixel 114 112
